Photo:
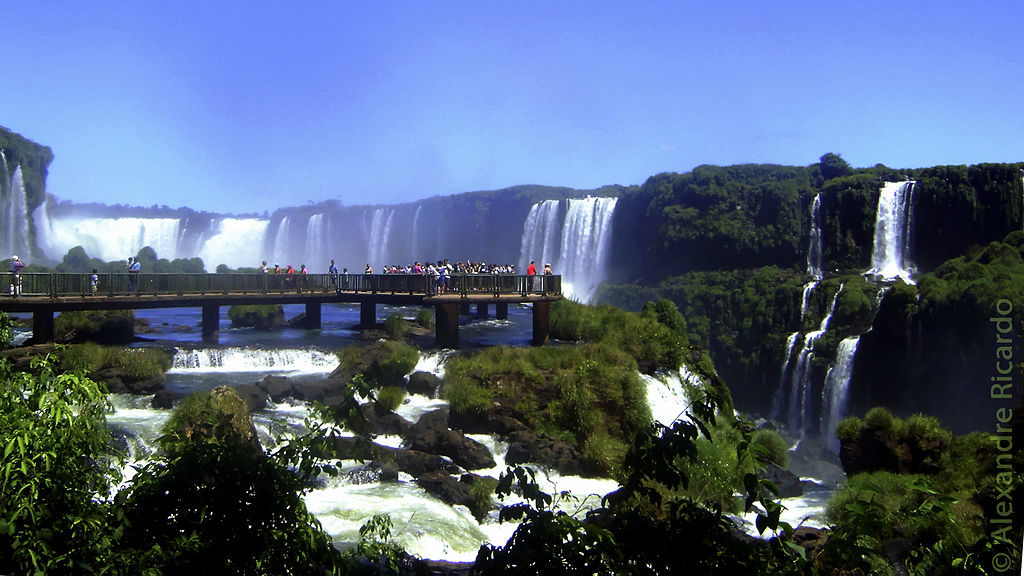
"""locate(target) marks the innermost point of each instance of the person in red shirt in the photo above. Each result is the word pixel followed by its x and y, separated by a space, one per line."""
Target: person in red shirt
pixel 531 270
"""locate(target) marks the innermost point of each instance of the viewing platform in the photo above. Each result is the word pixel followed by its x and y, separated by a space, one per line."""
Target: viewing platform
pixel 45 294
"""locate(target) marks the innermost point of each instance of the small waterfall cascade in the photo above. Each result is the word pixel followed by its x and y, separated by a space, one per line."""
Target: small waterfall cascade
pixel 835 393
pixel 576 244
pixel 890 257
pixel 252 360
pixel 377 229
pixel 814 250
pixel 799 407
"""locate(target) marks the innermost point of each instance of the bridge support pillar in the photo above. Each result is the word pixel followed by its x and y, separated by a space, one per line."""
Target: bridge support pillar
pixel 42 326
pixel 501 311
pixel 541 317
pixel 481 310
pixel 211 322
pixel 464 308
pixel 367 315
pixel 446 325
pixel 313 315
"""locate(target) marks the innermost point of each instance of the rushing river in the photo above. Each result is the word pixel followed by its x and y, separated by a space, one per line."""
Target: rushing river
pixel 423 524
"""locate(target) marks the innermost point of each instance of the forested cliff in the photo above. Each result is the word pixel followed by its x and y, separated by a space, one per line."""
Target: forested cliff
pixel 730 245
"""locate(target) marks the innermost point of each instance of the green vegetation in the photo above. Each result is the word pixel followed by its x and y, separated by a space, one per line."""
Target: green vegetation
pixel 425 318
pixel 652 525
pixel 382 364
pixel 103 326
pixel 395 326
pixel 916 497
pixel 259 316
pixel 56 473
pixel 90 358
pixel 391 397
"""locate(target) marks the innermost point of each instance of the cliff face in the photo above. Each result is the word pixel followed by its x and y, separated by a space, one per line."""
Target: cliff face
pixel 29 162
pixel 730 246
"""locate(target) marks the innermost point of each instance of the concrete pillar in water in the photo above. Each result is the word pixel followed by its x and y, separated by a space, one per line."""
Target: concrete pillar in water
pixel 313 316
pixel 501 311
pixel 541 316
pixel 42 326
pixel 367 314
pixel 464 308
pixel 446 325
pixel 481 309
pixel 211 322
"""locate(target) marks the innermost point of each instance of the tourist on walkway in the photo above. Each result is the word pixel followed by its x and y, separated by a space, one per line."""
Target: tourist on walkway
pixel 16 266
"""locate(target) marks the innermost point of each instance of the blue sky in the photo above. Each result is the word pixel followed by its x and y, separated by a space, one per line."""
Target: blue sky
pixel 244 107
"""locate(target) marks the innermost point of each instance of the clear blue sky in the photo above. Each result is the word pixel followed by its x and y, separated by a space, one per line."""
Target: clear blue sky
pixel 249 106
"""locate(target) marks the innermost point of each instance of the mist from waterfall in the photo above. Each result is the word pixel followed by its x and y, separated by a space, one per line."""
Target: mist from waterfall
pixel 582 237
pixel 890 256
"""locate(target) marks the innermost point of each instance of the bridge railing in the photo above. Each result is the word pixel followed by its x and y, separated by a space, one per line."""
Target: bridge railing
pixel 60 285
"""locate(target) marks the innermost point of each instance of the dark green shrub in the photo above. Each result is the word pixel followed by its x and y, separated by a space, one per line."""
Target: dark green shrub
pixel 774 447
pixel 391 397
pixel 395 326
pixel 425 318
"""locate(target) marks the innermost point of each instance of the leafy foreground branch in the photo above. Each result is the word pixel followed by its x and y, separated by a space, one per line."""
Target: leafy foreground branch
pixel 648 526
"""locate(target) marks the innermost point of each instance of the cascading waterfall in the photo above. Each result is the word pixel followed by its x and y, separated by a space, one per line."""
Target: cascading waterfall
pixel 541 234
pixel 17 218
pixel 316 242
pixel 799 415
pixel 252 360
pixel 814 248
pixel 586 241
pixel 890 257
pixel 281 242
pixel 235 242
pixel 378 232
pixel 415 248
pixel 576 244
pixel 836 390
pixel 814 270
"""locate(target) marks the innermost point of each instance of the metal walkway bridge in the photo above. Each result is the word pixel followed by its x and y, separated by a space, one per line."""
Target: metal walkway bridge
pixel 45 294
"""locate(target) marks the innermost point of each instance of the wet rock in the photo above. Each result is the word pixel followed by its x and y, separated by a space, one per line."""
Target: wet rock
pixel 527 447
pixel 431 434
pixel 423 383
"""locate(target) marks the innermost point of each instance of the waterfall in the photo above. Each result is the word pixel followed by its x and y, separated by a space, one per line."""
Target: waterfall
pixel 780 390
pixel 576 245
pixel 378 232
pixel 316 244
pixel 280 252
pixel 236 242
pixel 799 414
pixel 541 230
pixel 252 360
pixel 836 391
pixel 415 248
pixel 17 217
pixel 890 257
pixel 806 298
pixel 814 244
pixel 586 240
pixel 108 239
